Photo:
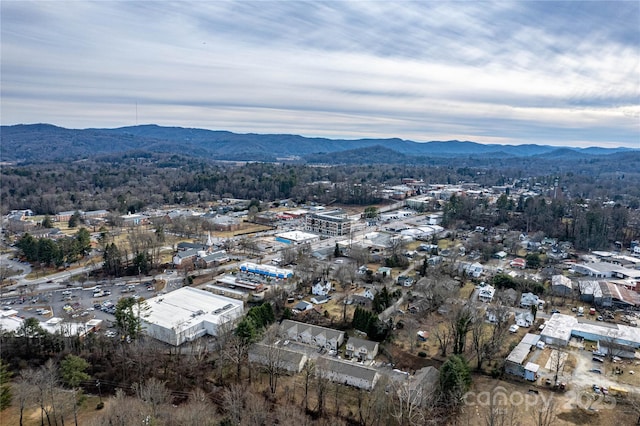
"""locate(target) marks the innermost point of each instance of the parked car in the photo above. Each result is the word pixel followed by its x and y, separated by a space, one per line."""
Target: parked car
pixel 595 370
pixel 597 359
pixel 514 328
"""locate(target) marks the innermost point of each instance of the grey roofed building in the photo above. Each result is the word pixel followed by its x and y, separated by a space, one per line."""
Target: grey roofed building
pixel 559 329
pixel 528 299
pixel 277 356
pixel 420 387
pixel 361 349
pixel 561 285
pixel 303 306
pixel 322 337
pixel 590 291
pixel 348 373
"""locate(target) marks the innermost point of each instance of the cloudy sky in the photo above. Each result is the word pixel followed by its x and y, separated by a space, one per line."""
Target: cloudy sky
pixel 557 73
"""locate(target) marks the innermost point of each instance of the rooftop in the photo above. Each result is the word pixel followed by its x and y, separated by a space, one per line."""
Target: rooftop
pixel 187 306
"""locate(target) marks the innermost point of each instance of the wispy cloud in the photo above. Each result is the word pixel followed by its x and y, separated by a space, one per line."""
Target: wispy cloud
pixel 562 73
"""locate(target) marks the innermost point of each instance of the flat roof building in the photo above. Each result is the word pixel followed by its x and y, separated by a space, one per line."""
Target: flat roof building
pixel 332 223
pixel 559 329
pixel 188 313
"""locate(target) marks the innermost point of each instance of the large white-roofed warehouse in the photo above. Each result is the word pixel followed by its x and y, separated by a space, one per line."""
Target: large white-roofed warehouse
pixel 189 313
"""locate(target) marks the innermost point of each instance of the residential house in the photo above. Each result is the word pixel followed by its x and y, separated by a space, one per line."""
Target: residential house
pixel 361 349
pixel 405 281
pixel 529 299
pixel 362 270
pixel 321 288
pixel 493 315
pixel 384 271
pixel 524 319
pixel 519 263
pixel 508 297
pixel 475 270
pixel 348 373
pixel 277 356
pixel 486 293
pixel 418 389
pixel 367 293
pixel 326 338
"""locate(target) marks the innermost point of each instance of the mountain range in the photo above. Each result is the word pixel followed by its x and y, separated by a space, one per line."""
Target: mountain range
pixel 29 143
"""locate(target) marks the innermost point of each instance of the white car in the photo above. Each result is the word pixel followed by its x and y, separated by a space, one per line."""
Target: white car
pixel 514 328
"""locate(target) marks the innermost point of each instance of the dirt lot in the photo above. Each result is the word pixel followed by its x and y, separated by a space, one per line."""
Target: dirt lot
pixel 507 400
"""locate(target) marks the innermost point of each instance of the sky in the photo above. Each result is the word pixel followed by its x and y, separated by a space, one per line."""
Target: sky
pixel 543 72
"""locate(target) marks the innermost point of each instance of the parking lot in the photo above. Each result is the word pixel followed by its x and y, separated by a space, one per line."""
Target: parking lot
pixel 79 304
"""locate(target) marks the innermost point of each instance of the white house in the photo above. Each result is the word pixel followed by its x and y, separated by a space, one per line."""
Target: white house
pixel 475 269
pixel 367 293
pixel 322 337
pixel 524 319
pixel 494 315
pixel 321 288
pixel 361 349
pixel 486 293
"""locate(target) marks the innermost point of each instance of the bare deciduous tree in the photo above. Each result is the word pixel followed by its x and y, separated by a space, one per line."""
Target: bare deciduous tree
pixel 234 402
pixel 154 393
pixel 544 414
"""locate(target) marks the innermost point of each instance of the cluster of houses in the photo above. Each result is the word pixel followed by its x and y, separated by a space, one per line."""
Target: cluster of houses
pixel 300 343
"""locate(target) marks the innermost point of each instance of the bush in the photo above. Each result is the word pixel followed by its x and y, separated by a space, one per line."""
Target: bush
pixel 422 354
pixel 100 405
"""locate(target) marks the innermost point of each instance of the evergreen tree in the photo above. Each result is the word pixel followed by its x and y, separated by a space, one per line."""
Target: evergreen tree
pixel 455 378
pixel 47 222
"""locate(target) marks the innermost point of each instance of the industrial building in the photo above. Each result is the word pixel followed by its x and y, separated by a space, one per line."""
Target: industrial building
pixel 559 329
pixel 516 363
pixel 188 313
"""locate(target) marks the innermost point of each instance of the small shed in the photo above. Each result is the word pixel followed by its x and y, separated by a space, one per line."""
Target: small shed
pixel 531 371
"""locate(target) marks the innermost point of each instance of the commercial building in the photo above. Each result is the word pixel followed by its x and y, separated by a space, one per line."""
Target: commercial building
pixel 266 270
pixel 296 237
pixel 187 314
pixel 559 329
pixel 332 223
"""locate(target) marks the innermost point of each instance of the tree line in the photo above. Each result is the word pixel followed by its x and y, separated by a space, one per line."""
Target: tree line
pixel 122 184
